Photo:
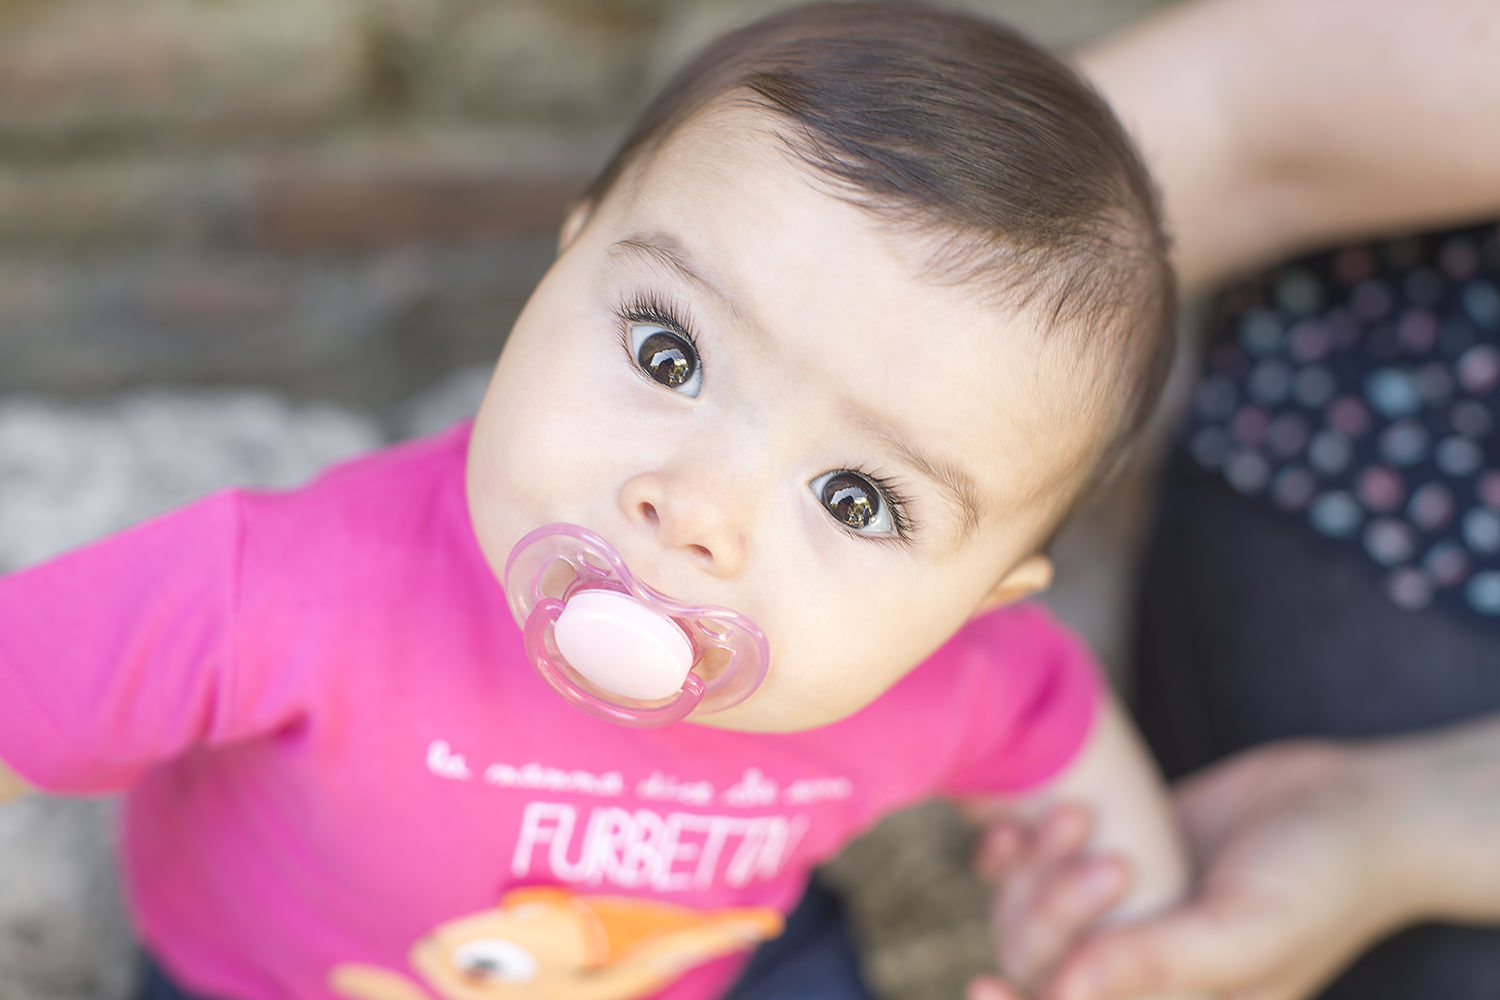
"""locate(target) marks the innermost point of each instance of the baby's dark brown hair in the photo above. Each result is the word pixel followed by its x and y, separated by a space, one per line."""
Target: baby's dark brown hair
pixel 940 121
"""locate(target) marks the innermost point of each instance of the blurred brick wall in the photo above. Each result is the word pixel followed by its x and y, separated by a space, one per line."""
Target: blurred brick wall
pixel 342 198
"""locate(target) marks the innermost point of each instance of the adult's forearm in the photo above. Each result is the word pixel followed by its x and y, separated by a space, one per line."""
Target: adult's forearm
pixel 1441 791
pixel 1276 125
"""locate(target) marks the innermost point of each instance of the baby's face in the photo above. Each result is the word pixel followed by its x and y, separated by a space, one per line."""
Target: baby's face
pixel 755 393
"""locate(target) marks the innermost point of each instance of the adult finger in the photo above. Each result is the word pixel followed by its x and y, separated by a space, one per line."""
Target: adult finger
pixel 990 988
pixel 1192 949
pixel 1212 803
pixel 1271 993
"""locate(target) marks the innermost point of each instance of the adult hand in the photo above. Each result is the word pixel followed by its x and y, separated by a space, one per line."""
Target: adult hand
pixel 1296 876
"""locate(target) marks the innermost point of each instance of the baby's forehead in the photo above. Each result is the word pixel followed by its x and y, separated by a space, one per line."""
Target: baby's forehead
pixel 733 160
pixel 736 151
pixel 730 131
pixel 735 137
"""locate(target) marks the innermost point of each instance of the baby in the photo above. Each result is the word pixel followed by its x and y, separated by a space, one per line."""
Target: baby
pixel 867 301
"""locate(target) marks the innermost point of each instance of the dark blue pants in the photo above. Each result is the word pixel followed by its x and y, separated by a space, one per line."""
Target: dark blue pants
pixel 814 958
pixel 1253 629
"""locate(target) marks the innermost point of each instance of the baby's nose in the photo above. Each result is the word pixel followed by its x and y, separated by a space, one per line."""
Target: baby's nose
pixel 695 511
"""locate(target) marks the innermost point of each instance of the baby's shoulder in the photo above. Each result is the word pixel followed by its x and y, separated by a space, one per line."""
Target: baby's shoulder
pixel 383 494
pixel 382 519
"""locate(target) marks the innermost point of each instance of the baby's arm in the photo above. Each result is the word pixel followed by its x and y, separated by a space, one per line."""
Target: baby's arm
pixel 11 785
pixel 1114 777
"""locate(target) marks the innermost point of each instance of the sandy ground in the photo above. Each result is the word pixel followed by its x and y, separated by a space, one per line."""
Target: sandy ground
pixel 70 472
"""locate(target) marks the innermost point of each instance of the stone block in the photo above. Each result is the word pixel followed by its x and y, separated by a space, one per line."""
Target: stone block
pixel 182 201
pixel 363 329
pixel 530 60
pixel 29 292
pixel 363 205
pixel 351 190
pixel 80 71
pixel 63 934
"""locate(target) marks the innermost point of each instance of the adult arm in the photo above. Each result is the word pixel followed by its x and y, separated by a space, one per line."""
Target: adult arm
pixel 1275 126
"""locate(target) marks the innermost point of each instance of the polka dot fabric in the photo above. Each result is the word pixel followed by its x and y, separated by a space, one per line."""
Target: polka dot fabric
pixel 1359 392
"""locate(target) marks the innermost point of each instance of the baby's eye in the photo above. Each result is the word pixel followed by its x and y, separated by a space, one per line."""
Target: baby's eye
pixel 856 503
pixel 667 357
pixel 490 959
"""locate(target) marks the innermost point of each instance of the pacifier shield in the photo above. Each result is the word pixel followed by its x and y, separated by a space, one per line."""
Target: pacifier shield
pixel 617 648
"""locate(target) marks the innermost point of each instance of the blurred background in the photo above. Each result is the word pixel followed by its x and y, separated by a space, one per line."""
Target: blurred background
pixel 240 240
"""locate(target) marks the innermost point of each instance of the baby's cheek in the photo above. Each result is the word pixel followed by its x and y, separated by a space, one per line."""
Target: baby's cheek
pixel 852 657
pixel 890 637
pixel 546 448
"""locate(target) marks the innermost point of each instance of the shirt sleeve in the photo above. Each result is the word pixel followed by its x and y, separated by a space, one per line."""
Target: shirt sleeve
pixel 122 654
pixel 1032 693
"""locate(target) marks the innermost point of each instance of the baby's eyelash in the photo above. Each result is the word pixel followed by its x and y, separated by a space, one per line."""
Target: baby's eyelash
pixel 648 307
pixel 897 502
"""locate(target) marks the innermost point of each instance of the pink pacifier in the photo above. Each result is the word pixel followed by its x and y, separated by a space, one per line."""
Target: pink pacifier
pixel 615 647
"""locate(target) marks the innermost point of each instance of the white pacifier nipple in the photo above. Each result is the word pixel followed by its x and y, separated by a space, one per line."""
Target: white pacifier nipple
pixel 622 646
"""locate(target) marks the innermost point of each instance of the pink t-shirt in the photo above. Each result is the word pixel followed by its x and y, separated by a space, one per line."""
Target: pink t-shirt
pixel 344 780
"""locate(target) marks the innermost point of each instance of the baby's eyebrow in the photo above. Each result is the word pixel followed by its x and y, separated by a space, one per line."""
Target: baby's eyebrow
pixel 664 250
pixel 948 476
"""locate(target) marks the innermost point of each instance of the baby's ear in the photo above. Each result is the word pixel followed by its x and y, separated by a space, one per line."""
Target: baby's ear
pixel 578 216
pixel 1031 575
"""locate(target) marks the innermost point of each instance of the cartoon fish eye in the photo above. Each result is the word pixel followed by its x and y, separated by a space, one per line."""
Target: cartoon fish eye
pixel 491 960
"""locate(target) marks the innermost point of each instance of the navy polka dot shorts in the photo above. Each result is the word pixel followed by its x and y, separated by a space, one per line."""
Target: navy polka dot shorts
pixel 1359 392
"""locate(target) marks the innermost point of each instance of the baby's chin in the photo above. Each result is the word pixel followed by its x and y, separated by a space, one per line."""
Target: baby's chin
pixel 772 714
